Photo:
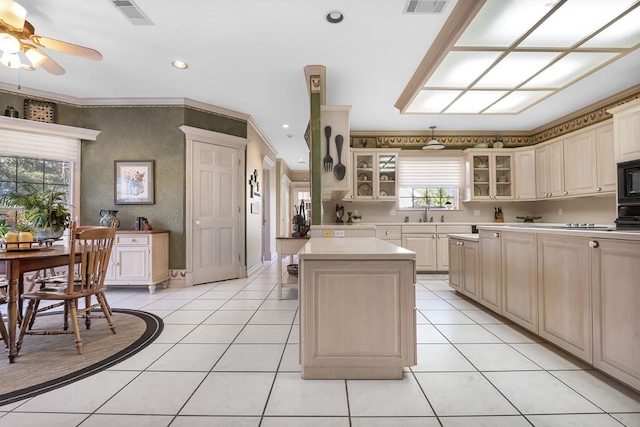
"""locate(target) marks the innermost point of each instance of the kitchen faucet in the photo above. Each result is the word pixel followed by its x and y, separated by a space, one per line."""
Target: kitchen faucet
pixel 426 211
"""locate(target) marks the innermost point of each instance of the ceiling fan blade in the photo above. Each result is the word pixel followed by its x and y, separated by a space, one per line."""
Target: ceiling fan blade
pixel 70 48
pixel 40 59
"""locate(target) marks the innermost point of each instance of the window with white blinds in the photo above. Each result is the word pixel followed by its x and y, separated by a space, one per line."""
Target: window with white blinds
pixel 428 171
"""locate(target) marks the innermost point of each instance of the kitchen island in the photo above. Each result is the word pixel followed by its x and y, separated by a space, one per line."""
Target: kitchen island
pixel 357 315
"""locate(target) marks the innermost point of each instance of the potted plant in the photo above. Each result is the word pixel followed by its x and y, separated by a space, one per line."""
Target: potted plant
pixel 47 212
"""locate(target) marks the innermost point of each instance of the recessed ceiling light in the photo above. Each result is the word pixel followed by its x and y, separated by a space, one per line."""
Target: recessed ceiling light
pixel 180 65
pixel 289 135
pixel 286 126
pixel 301 161
pixel 334 16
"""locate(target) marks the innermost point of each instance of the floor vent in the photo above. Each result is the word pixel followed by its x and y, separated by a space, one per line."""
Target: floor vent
pixel 132 12
pixel 424 6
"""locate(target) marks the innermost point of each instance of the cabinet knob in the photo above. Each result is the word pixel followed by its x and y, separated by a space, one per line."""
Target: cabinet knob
pixel 565 193
pixel 197 222
pixel 386 232
pixel 433 236
pixel 518 196
pixel 594 244
pixel 496 234
pixel 461 243
pixel 548 194
pixel 598 189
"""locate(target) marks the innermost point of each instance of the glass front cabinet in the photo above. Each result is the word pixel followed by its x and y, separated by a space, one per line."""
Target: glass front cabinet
pixel 488 174
pixel 375 174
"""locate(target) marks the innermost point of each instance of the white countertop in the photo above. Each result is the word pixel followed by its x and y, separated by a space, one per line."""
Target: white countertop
pixel 342 248
pixel 586 232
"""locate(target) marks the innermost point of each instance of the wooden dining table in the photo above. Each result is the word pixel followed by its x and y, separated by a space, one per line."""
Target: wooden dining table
pixel 15 264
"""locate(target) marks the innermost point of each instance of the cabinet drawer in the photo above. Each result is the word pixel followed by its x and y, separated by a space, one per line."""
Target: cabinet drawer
pixel 136 239
pixel 388 232
pixel 418 229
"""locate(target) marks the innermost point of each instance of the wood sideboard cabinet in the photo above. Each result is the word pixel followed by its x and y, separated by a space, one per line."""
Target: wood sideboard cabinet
pixel 140 258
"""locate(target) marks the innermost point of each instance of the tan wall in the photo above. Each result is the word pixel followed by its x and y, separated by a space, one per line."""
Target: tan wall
pixel 597 210
pixel 257 149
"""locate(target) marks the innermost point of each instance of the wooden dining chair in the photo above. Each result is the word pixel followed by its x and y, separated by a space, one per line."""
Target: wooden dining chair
pixel 4 285
pixel 90 249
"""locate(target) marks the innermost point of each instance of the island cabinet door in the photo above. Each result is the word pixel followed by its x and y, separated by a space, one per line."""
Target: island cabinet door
pixel 616 307
pixel 564 292
pixel 470 269
pixel 519 282
pixel 455 264
pixel 357 318
pixel 490 293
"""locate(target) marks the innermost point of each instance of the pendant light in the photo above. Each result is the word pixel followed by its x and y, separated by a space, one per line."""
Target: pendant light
pixel 434 144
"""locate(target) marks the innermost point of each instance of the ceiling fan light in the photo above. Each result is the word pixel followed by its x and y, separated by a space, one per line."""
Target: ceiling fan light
pixel 36 58
pixel 9 44
pixel 12 15
pixel 11 60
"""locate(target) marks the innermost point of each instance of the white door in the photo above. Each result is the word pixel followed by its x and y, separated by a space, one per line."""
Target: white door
pixel 215 213
pixel 285 212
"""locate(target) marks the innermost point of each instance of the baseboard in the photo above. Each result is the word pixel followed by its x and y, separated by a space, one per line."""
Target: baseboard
pixel 178 278
pixel 255 269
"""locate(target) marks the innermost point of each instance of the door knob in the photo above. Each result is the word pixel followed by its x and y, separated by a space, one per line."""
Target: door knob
pixel 594 244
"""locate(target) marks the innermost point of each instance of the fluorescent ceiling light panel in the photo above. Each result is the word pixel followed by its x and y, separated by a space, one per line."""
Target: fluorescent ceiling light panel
pixel 501 22
pixel 517 101
pixel 432 101
pixel 568 69
pixel 515 68
pixel 474 101
pixel 460 69
pixel 624 33
pixel 575 20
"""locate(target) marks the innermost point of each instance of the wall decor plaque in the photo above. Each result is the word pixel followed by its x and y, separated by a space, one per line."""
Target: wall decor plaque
pixel 40 111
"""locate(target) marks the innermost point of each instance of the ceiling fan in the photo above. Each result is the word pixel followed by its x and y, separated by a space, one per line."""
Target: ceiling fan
pixel 18 35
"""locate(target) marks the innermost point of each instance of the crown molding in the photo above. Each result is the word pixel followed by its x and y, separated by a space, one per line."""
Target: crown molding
pixel 251 121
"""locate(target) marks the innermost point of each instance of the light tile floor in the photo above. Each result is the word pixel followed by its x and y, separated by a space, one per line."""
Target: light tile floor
pixel 228 356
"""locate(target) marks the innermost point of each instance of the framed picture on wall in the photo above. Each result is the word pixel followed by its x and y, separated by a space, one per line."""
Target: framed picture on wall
pixel 134 182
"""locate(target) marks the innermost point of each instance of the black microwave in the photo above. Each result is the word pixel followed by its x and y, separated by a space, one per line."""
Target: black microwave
pixel 629 183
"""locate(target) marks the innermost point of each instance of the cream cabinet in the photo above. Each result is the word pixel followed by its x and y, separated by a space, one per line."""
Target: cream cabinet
pixel 615 269
pixel 489 174
pixel 357 314
pixel 464 266
pixel 605 160
pixel 579 154
pixel 626 131
pixel 564 293
pixel 550 170
pixel 375 174
pixel 390 233
pixel 525 174
pixel 139 259
pixel 519 279
pixel 430 243
pixel 425 247
pixel 490 292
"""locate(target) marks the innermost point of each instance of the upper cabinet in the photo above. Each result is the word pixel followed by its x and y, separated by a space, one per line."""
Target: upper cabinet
pixel 375 174
pixel 336 164
pixel 579 164
pixel 525 173
pixel 550 170
pixel 626 131
pixel 605 159
pixel 580 175
pixel 488 174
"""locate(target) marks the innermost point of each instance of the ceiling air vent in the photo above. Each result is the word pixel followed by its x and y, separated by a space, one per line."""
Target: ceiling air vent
pixel 424 6
pixel 132 12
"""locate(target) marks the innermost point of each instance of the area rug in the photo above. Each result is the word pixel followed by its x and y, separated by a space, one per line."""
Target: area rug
pixel 46 362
